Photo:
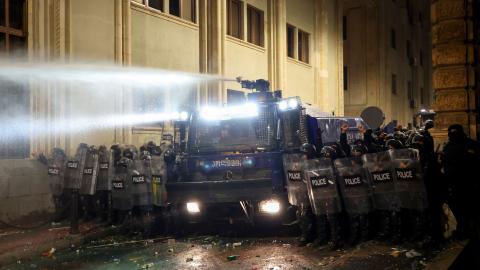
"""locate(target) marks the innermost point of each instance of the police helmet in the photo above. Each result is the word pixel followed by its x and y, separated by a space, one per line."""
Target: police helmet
pixel 145 155
pixel 169 156
pixel 328 152
pixel 58 152
pixel 130 152
pixel 358 150
pixel 308 149
pixel 429 124
pixel 394 144
pixel 400 136
pixel 417 139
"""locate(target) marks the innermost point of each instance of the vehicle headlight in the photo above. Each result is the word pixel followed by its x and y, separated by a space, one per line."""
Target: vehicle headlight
pixel 283 105
pixel 248 162
pixel 292 103
pixel 270 206
pixel 193 207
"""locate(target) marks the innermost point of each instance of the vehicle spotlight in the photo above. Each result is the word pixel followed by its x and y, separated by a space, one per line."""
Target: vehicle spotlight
pixel 183 115
pixel 270 206
pixel 283 105
pixel 193 207
pixel 292 103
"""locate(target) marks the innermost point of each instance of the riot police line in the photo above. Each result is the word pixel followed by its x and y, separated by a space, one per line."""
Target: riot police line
pixel 120 185
pixel 352 199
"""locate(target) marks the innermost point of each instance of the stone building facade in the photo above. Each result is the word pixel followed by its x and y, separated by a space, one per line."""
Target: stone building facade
pixel 296 45
pixel 387 57
pixel 455 35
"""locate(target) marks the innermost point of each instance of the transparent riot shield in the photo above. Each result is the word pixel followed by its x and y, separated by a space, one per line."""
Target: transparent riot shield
pixel 74 168
pixel 354 185
pixel 293 165
pixel 140 182
pixel 121 198
pixel 159 177
pixel 410 184
pixel 56 170
pixel 90 173
pixel 105 165
pixel 322 187
pixel 381 174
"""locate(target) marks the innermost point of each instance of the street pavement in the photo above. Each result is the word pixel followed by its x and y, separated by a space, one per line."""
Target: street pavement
pixel 216 252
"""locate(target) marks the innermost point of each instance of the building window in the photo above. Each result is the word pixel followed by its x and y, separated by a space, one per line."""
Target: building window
pixel 394 84
pixel 190 10
pixel 421 96
pixel 345 78
pixel 409 90
pixel 421 58
pixel 303 46
pixel 15 100
pixel 290 41
pixel 174 7
pixel 393 39
pixel 344 27
pixel 235 18
pixel 409 49
pixel 420 19
pixel 156 4
pixel 255 26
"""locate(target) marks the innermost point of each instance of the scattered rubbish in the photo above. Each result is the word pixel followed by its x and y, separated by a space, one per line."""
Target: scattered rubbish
pixel 237 244
pixel 34 266
pixel 412 253
pixel 116 260
pixel 171 241
pixel 10 233
pixel 207 247
pixel 77 251
pixel 131 242
pixel 189 260
pixel 170 250
pixel 286 245
pixel 309 244
pixel 258 256
pixel 147 265
pixel 56 223
pixel 19 262
pixel 321 264
pixel 232 257
pixel 395 253
pixel 423 263
pixel 156 253
pixel 49 253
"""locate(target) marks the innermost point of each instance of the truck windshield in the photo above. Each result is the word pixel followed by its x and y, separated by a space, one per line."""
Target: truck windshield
pixel 243 134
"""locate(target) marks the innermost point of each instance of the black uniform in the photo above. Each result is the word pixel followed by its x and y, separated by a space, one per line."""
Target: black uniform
pixel 461 158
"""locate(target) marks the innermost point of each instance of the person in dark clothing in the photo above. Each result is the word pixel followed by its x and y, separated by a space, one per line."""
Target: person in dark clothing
pixel 343 139
pixel 461 157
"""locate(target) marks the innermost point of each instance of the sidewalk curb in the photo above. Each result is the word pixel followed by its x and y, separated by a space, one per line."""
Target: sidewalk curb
pixel 32 251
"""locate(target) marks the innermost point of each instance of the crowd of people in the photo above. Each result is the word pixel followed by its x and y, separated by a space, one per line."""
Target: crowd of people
pixel 411 208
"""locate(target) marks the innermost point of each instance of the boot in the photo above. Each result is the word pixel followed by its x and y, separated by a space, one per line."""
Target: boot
pixel 321 230
pixel 334 223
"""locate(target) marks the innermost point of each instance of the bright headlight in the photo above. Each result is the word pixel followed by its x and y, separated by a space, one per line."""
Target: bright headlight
pixel 270 206
pixel 283 105
pixel 183 116
pixel 193 207
pixel 292 103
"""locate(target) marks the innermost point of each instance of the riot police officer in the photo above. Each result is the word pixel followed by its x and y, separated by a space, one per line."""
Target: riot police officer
pixel 460 162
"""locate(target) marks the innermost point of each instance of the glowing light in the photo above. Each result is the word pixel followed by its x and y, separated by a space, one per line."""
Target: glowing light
pixel 270 206
pixel 283 105
pixel 293 103
pixel 225 113
pixel 184 116
pixel 193 207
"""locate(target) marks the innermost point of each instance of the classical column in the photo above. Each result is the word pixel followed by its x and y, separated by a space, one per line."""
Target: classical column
pixel 453 66
pixel 280 28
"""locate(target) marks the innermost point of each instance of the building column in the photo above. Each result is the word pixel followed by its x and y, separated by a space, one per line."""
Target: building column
pixel 453 67
pixel 280 44
pixel 328 56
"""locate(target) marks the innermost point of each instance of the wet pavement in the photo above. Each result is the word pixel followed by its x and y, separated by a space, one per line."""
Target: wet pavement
pixel 214 252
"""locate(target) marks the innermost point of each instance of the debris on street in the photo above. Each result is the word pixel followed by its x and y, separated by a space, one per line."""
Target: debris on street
pixel 232 257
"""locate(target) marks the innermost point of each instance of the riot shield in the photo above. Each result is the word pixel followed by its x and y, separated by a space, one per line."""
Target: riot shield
pixel 380 172
pixel 322 187
pixel 90 173
pixel 409 182
pixel 121 198
pixel 105 169
pixel 140 182
pixel 159 177
pixel 74 168
pixel 293 165
pixel 56 169
pixel 354 185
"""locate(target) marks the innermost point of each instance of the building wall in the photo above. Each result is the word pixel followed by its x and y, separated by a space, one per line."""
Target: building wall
pixel 371 60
